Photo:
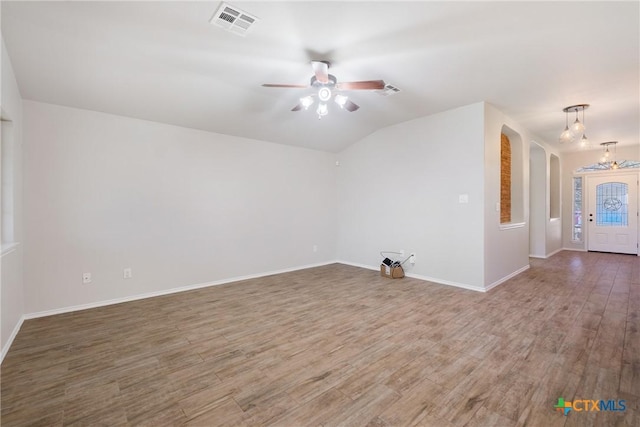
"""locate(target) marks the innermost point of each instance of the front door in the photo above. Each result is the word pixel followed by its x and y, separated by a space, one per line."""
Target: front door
pixel 612 214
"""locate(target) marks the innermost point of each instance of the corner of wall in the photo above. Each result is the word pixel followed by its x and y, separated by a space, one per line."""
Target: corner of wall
pixel 11 282
pixel 506 249
pixel 386 202
pixel 6 344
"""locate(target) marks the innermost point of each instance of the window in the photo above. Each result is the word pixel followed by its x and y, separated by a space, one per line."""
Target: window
pixel 577 209
pixel 612 203
pixel 622 164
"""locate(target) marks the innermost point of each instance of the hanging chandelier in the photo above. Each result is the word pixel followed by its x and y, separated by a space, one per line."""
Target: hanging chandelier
pixel 577 129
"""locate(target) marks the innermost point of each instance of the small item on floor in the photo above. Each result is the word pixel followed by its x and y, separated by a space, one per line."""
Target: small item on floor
pixel 391 272
pixel 390 268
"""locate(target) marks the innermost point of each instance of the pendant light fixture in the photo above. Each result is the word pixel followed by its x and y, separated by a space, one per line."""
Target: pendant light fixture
pixel 584 142
pixel 569 134
pixel 577 127
pixel 566 135
pixel 606 156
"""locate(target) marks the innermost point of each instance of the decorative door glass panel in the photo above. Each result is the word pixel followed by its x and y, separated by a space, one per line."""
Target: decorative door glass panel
pixel 612 204
pixel 577 209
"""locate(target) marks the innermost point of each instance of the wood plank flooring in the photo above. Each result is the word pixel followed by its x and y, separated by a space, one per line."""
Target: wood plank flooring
pixel 341 346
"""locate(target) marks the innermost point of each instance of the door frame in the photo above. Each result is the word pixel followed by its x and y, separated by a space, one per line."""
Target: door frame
pixel 586 194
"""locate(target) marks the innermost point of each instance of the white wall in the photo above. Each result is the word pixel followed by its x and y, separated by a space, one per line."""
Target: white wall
pixel 178 206
pixel 506 250
pixel 398 189
pixel 554 236
pixel 183 207
pixel 571 161
pixel 538 194
pixel 545 233
pixel 554 219
pixel 11 283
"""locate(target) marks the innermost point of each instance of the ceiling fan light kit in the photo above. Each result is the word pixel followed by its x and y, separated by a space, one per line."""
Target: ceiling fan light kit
pixel 341 100
pixel 324 94
pixel 322 110
pixel 327 84
pixel 306 102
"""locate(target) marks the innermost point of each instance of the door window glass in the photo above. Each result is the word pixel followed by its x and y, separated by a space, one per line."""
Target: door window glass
pixel 612 204
pixel 577 209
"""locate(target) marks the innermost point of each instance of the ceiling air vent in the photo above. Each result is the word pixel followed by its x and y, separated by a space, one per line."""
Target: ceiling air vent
pixel 388 90
pixel 233 19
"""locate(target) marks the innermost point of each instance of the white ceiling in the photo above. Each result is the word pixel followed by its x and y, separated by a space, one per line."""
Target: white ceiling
pixel 163 61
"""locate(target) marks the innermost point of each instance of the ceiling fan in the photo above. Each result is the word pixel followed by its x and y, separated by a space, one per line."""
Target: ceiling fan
pixel 326 84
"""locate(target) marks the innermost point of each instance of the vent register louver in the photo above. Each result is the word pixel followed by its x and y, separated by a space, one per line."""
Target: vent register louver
pixel 388 90
pixel 233 19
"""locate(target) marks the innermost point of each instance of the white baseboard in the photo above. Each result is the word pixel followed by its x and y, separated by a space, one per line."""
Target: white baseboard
pixel 446 282
pixel 419 277
pixel 168 291
pixel 554 252
pixel 12 337
pixel 355 264
pixel 575 249
pixel 584 250
pixel 507 277
pixel 547 255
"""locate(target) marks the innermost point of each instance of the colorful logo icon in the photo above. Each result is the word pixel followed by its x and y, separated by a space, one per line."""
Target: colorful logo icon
pixel 563 406
pixel 589 405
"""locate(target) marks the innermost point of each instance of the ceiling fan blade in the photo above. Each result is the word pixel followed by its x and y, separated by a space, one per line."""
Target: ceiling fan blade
pixel 364 85
pixel 351 106
pixel 297 107
pixel 321 70
pixel 285 86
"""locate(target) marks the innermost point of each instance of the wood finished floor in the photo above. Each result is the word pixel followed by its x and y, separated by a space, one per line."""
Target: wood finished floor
pixel 341 346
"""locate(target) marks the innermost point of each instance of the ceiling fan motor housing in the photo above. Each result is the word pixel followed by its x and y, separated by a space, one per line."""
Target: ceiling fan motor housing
pixel 315 83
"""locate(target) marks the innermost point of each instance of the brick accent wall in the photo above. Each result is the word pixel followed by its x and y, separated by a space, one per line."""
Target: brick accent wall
pixel 505 179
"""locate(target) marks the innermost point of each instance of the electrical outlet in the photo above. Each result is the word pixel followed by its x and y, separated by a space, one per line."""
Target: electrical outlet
pixel 412 259
pixel 86 278
pixel 127 273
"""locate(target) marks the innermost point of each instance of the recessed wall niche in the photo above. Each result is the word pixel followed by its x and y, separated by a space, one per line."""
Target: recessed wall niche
pixel 554 187
pixel 511 177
